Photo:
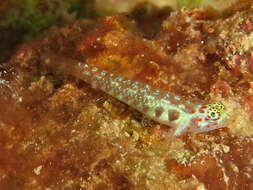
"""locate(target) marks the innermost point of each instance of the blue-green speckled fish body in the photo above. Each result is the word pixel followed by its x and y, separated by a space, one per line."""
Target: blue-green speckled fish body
pixel 163 107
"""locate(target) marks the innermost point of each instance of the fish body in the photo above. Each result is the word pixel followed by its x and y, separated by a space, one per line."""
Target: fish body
pixel 163 107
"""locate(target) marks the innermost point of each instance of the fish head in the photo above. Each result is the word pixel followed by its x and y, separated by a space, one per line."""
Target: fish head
pixel 208 117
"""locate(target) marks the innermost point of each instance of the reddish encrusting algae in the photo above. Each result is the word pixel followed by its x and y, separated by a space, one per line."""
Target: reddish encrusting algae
pixel 77 137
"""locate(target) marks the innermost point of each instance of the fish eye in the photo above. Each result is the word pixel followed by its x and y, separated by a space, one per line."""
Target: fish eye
pixel 214 115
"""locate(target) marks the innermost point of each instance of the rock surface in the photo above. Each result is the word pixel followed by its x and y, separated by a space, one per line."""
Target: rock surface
pixel 56 132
